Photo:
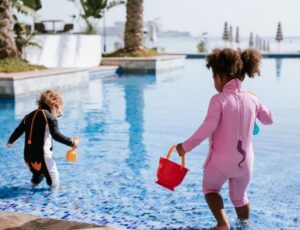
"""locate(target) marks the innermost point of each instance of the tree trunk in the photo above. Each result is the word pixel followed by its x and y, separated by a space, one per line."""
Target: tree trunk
pixel 7 41
pixel 134 25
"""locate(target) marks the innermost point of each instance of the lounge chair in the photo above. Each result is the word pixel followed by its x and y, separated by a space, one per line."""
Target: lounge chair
pixel 67 28
pixel 40 27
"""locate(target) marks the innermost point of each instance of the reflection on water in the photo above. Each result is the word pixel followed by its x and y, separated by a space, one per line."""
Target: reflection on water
pixel 278 65
pixel 134 106
pixel 127 123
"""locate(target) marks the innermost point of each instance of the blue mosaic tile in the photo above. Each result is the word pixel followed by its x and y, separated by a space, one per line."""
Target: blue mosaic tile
pixel 125 127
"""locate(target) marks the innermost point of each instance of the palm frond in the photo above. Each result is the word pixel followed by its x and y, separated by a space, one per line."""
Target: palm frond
pixel 21 8
pixel 115 3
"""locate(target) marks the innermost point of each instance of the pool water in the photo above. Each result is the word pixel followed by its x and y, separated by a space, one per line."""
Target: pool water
pixel 126 123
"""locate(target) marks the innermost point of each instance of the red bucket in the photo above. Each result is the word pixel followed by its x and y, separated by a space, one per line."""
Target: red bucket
pixel 169 173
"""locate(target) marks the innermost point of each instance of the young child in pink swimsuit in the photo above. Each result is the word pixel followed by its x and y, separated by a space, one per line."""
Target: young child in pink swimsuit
pixel 229 125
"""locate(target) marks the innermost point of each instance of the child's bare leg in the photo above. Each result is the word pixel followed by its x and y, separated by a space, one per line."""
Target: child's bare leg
pixel 243 212
pixel 215 203
pixel 36 179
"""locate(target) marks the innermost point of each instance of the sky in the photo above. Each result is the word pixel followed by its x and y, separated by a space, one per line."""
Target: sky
pixel 198 16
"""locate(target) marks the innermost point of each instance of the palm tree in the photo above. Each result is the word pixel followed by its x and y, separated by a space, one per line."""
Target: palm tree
pixel 33 4
pixel 23 34
pixel 27 7
pixel 94 10
pixel 8 46
pixel 134 25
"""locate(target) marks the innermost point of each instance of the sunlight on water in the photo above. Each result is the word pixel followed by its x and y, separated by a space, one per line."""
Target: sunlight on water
pixel 127 123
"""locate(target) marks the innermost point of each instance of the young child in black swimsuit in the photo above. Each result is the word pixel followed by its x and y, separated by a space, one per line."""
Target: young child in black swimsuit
pixel 40 126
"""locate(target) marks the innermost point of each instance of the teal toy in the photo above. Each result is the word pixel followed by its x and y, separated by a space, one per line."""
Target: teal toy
pixel 255 129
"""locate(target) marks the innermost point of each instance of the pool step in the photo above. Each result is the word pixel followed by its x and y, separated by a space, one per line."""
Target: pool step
pixel 18 221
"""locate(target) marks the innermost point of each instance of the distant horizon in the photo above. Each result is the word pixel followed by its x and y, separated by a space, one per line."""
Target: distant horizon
pixel 212 36
pixel 197 17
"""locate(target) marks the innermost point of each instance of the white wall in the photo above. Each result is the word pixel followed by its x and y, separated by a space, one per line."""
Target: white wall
pixel 67 50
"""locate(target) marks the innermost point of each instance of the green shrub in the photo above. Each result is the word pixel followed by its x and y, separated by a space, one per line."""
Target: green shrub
pixel 201 47
pixel 135 53
pixel 13 65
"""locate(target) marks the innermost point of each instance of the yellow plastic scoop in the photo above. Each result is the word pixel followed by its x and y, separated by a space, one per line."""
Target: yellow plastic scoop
pixel 72 155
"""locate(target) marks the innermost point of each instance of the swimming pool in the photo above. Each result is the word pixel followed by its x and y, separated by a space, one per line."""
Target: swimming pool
pixel 127 123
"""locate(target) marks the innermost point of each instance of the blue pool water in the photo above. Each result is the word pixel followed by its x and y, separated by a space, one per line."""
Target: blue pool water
pixel 127 123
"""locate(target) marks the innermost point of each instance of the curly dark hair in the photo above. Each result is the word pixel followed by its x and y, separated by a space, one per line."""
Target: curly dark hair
pixel 232 63
pixel 251 60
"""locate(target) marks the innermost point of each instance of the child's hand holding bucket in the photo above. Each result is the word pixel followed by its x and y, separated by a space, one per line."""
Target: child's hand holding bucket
pixel 72 154
pixel 169 173
pixel 75 141
pixel 180 150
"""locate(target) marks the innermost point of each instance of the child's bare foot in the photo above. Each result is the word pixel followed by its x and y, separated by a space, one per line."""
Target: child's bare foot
pixel 244 223
pixel 221 227
pixel 57 187
pixel 33 185
pixel 54 187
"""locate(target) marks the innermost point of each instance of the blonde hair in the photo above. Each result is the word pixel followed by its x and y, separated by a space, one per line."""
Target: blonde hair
pixel 50 98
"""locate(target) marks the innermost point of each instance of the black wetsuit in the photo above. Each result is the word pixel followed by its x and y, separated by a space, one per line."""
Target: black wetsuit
pixel 40 126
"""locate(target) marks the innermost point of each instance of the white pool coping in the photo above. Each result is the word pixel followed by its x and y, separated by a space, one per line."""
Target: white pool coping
pixel 14 85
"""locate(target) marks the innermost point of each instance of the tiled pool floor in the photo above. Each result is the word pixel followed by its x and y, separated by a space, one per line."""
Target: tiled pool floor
pixel 127 123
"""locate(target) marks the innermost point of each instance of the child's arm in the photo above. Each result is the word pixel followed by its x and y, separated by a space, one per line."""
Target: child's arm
pixel 264 114
pixel 17 133
pixel 207 128
pixel 55 133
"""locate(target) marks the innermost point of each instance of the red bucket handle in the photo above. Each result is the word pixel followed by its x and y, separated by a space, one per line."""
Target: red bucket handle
pixel 182 158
